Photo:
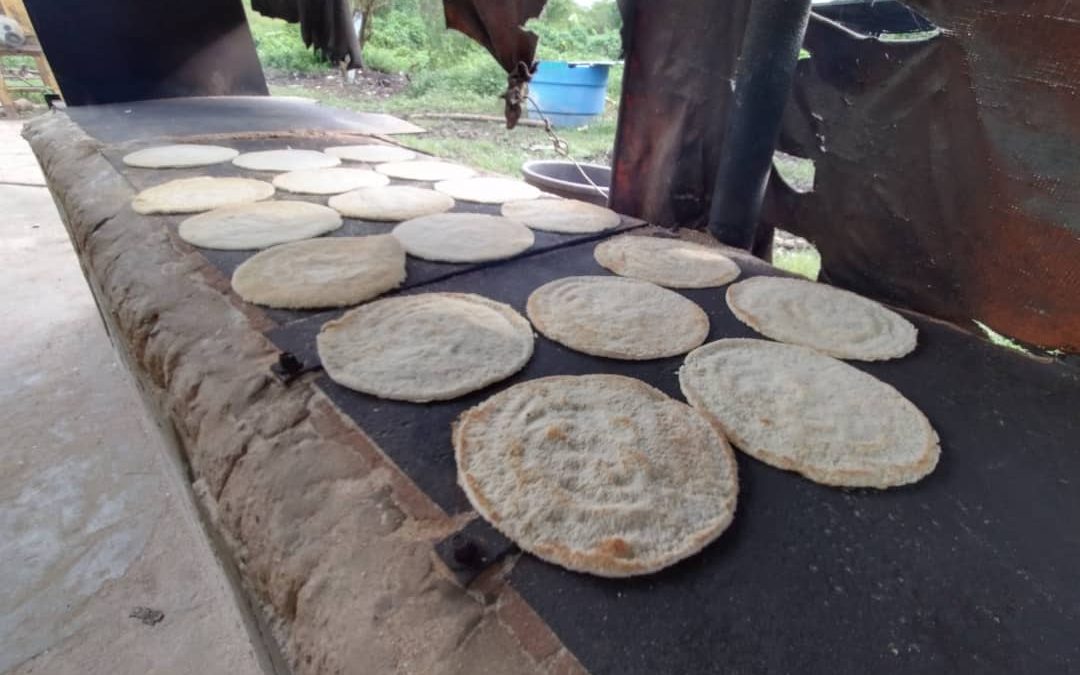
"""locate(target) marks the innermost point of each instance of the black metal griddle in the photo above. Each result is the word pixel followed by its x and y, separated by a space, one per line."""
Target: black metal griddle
pixel 972 570
pixel 201 116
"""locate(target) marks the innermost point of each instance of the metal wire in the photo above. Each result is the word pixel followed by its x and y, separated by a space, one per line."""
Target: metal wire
pixel 562 148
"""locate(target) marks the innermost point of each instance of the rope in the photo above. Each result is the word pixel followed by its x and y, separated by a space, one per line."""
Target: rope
pixel 562 148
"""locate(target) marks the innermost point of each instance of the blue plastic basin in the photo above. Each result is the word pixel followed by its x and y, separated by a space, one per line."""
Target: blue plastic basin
pixel 569 94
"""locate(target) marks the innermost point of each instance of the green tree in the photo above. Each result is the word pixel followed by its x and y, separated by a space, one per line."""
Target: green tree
pixel 366 10
pixel 603 17
pixel 559 12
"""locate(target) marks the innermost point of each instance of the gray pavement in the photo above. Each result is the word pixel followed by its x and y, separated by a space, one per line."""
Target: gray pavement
pixel 95 520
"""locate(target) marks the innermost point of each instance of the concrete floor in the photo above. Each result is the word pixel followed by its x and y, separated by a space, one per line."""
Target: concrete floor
pixel 95 520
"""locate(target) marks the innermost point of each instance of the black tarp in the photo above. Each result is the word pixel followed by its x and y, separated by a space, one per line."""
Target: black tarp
pixel 132 50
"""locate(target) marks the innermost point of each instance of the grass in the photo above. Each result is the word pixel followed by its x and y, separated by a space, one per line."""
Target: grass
pixel 805 262
pixel 504 151
pixel 483 145
pixel 18 61
pixel 917 36
pixel 279 45
pixel 999 339
pixel 491 147
pixel 402 104
pixel 796 171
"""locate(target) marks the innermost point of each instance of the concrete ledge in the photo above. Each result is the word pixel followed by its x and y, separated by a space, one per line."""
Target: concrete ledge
pixel 332 543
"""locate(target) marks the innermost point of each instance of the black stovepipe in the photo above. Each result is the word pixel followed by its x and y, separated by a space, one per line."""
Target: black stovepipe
pixel 762 86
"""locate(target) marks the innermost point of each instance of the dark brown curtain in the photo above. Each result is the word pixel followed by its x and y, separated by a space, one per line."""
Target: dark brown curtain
pixel 327 25
pixel 498 25
pixel 948 170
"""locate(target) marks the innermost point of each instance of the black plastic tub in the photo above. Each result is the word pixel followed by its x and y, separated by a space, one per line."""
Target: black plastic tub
pixel 564 179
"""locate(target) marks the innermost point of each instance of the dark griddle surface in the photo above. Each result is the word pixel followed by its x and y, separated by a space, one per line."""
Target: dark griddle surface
pixel 417 437
pixel 972 570
pixel 975 569
pixel 174 117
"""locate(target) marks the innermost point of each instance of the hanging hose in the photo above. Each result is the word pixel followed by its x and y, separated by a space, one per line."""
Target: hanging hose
pixel 562 148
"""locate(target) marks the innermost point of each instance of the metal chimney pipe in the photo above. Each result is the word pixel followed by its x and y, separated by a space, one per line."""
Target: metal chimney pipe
pixel 763 80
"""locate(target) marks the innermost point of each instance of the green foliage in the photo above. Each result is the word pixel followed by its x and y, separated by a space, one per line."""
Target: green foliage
pixel 798 172
pixel 999 339
pixel 559 11
pixel 402 30
pixel 279 46
pixel 386 60
pixel 805 262
pixel 18 61
pixel 576 42
pixel 475 75
pixel 410 37
pixel 603 16
pixel 568 32
pixel 614 84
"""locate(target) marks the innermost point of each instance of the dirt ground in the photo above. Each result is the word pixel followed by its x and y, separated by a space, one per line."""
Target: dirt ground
pixel 363 85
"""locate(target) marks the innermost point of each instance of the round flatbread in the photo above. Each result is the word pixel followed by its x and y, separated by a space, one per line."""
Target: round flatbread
pixel 179 156
pixel 566 216
pixel 373 154
pixel 463 237
pixel 429 347
pixel 253 226
pixel 668 262
pixel 392 203
pixel 799 410
pixel 487 190
pixel 327 272
pixel 332 181
pixel 828 319
pixel 597 473
pixel 426 170
pixel 193 195
pixel 285 160
pixel 617 318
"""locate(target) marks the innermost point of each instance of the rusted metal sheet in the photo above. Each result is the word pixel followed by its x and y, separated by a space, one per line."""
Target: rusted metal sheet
pixel 948 170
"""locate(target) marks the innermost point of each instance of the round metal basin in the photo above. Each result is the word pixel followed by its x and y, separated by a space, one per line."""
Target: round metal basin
pixel 563 179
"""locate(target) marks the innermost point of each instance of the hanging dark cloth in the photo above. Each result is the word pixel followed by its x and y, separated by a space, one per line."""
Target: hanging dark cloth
pixel 497 25
pixel 325 24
